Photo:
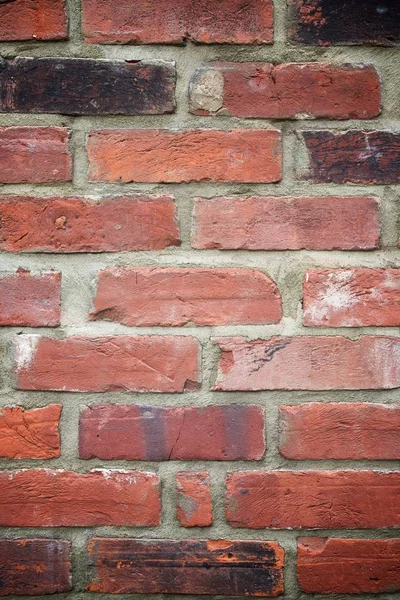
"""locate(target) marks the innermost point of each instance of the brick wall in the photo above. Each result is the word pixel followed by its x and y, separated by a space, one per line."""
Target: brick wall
pixel 199 298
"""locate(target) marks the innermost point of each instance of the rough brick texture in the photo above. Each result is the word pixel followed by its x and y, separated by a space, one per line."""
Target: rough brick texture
pixel 350 157
pixel 161 156
pixel 30 433
pixel 151 297
pixel 272 223
pixel 365 566
pixel 86 87
pixel 199 288
pixel 33 20
pixel 43 498
pixel 327 22
pixel 34 155
pixel 309 363
pixel 151 433
pixel 175 21
pixel 352 298
pixel 119 224
pixel 34 567
pixel 193 499
pixel 30 299
pixel 288 91
pixel 313 499
pixel 221 567
pixel 356 431
pixel 118 363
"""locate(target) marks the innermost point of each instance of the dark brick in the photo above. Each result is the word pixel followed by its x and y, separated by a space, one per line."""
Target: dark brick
pixel 351 157
pixel 75 86
pixel 34 567
pixel 129 566
pixel 346 22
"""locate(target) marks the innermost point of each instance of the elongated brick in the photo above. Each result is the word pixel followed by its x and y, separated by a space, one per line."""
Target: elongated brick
pixel 313 499
pixel 120 224
pixel 173 296
pixel 223 567
pixel 82 86
pixel 126 432
pixel 44 498
pixel 309 363
pixel 112 363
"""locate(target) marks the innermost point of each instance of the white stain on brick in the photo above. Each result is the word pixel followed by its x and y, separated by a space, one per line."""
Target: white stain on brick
pixel 25 350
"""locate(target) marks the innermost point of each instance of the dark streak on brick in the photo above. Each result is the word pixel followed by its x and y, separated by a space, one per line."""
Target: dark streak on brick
pixel 125 566
pixel 269 352
pixel 348 22
pixel 352 156
pixel 86 87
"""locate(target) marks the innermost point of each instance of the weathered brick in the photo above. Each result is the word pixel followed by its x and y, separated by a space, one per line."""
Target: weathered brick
pixel 330 22
pixel 193 502
pixel 162 156
pixel 175 21
pixel 110 363
pixel 313 499
pixel 309 363
pixel 223 567
pixel 365 566
pixel 120 224
pixel 279 223
pixel 33 19
pixel 34 567
pixel 34 155
pixel 352 297
pixel 28 299
pixel 44 498
pixel 286 91
pixel 340 431
pixel 350 157
pixel 30 433
pixel 81 86
pixel 232 432
pixel 173 296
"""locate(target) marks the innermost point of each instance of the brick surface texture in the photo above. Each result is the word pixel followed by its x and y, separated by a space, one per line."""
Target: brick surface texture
pixel 199 299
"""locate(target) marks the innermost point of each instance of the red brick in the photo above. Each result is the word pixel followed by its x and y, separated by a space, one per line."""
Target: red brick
pixel 313 499
pixel 223 567
pixel 44 498
pixel 34 155
pixel 162 156
pixel 309 363
pixel 369 157
pixel 175 21
pixel 111 363
pixel 352 298
pixel 348 566
pixel 232 432
pixel 120 224
pixel 30 433
pixel 173 297
pixel 339 22
pixel 33 19
pixel 279 223
pixel 34 567
pixel 193 503
pixel 82 86
pixel 287 91
pixel 31 300
pixel 356 431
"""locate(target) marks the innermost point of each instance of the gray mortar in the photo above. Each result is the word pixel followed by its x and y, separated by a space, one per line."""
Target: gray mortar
pixel 286 269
